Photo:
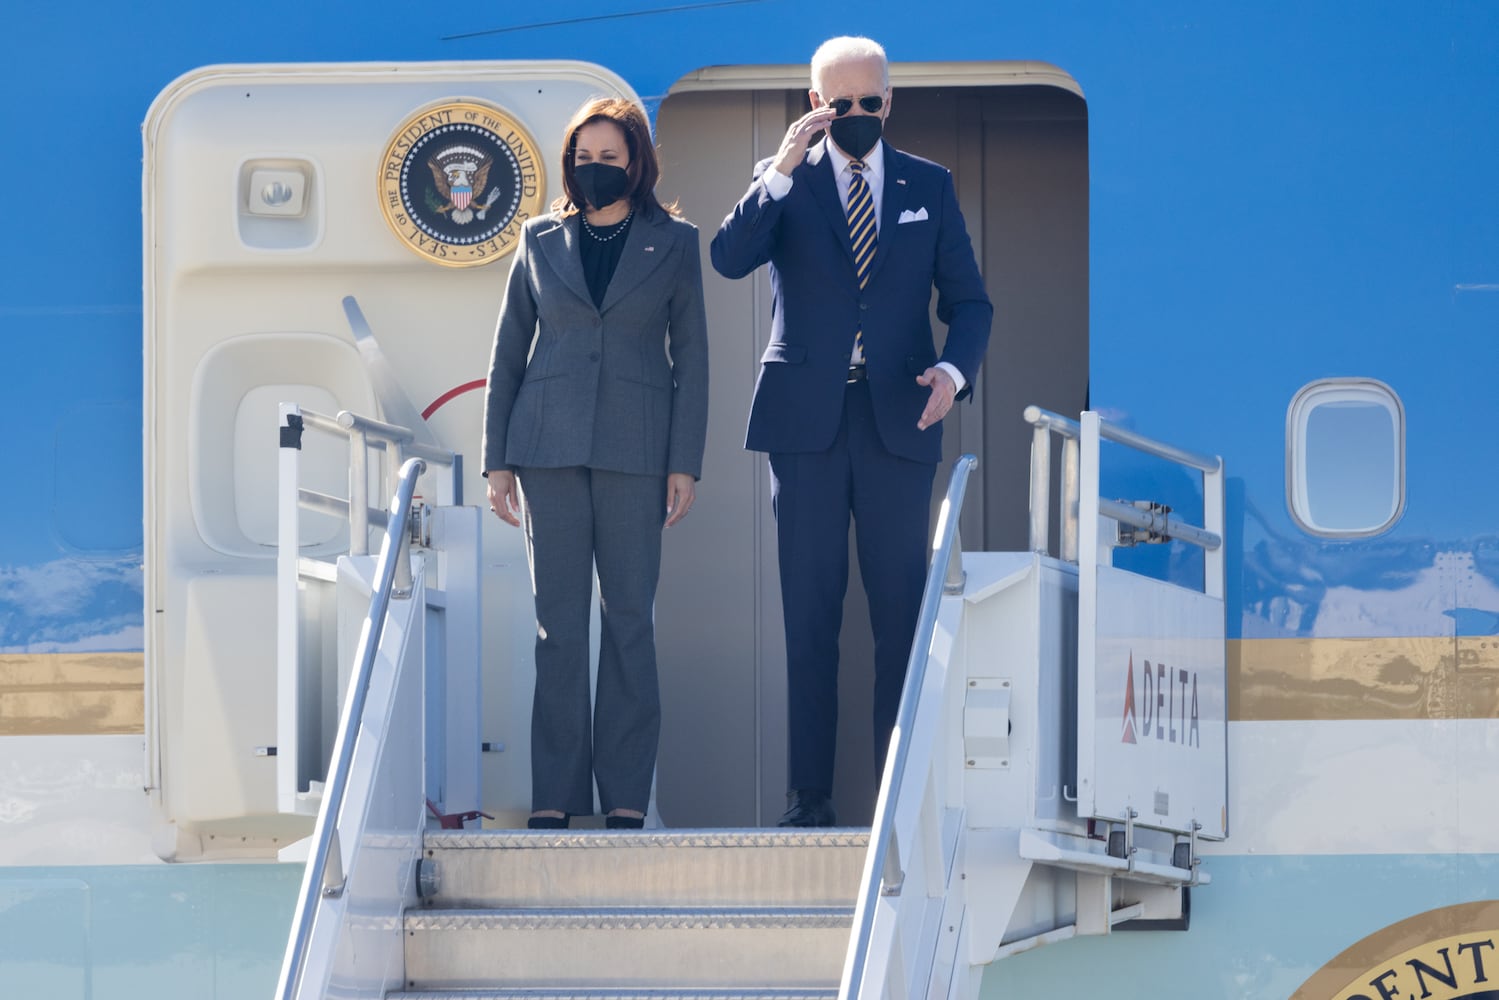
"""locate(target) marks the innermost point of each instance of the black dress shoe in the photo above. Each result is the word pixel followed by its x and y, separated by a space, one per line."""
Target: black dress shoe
pixel 547 823
pixel 806 808
pixel 624 822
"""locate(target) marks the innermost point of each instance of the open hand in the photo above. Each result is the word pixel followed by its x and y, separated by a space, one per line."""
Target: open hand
pixel 504 496
pixel 681 490
pixel 944 391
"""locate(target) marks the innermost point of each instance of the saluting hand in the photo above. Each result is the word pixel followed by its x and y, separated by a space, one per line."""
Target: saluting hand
pixel 794 146
pixel 944 391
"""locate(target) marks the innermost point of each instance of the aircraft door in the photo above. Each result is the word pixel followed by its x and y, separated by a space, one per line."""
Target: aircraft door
pixel 1015 137
pixel 272 193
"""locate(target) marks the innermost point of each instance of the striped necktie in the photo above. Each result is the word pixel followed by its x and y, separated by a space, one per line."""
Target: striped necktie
pixel 861 230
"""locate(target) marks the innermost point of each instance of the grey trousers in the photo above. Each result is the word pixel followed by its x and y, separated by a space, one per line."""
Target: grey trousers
pixel 575 519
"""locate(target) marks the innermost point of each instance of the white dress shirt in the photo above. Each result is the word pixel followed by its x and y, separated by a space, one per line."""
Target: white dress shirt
pixel 778 186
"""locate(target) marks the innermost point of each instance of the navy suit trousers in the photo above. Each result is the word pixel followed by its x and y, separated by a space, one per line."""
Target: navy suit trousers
pixel 813 495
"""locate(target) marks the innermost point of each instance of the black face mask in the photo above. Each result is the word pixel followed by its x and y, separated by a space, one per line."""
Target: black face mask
pixel 602 184
pixel 856 134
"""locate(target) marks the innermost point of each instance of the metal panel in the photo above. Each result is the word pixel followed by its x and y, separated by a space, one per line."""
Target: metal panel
pixel 1152 705
pixel 1159 706
pixel 456 544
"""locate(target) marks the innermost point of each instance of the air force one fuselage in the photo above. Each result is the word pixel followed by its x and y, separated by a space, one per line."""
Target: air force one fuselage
pixel 1269 235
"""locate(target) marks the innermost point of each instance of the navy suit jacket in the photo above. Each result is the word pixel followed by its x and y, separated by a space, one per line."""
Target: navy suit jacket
pixel 818 305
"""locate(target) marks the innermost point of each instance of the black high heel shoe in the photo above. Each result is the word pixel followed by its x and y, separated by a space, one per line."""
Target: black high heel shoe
pixel 547 823
pixel 624 822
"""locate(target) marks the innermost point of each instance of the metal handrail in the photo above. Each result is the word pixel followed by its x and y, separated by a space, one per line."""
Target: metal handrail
pixel 1046 423
pixel 399 443
pixel 1071 428
pixel 324 875
pixel 393 434
pixel 1160 523
pixel 882 864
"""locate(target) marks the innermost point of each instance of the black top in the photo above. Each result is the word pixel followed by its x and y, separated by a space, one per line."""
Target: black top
pixel 602 247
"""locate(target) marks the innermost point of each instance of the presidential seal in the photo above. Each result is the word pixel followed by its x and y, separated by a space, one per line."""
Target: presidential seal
pixel 458 180
pixel 1448 953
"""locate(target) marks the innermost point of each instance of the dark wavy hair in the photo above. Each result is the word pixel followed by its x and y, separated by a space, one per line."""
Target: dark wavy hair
pixel 643 171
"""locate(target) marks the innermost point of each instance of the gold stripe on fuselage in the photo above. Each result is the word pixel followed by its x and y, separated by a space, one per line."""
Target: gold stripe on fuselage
pixel 1386 678
pixel 1268 680
pixel 53 694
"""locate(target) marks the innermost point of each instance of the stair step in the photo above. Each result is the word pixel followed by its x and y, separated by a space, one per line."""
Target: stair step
pixel 608 948
pixel 546 868
pixel 622 993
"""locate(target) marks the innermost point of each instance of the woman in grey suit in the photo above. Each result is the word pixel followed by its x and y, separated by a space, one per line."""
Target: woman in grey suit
pixel 594 422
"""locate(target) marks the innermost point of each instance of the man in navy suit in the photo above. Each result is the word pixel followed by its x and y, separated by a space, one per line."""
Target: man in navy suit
pixel 851 393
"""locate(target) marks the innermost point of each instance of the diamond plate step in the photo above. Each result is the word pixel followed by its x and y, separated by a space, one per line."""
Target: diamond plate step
pixel 615 994
pixel 542 868
pixel 607 948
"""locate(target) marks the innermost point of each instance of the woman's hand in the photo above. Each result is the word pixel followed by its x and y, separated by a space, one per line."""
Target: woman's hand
pixel 504 497
pixel 681 489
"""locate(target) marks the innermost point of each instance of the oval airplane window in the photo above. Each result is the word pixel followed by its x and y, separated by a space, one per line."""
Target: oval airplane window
pixel 1345 457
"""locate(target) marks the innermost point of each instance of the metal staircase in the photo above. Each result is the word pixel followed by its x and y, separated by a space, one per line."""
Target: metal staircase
pixel 680 914
pixel 1035 790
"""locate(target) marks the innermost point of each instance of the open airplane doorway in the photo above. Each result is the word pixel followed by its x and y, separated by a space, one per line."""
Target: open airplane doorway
pixel 1015 136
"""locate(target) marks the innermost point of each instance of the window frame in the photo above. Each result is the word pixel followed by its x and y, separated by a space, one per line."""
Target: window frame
pixel 1303 404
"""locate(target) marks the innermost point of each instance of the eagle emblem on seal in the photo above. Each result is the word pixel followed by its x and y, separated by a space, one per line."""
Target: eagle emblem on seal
pixel 461 176
pixel 457 181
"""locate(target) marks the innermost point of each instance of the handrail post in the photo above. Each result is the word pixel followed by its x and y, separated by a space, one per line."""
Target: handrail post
pixel 1069 499
pixel 391 467
pixel 893 877
pixel 359 498
pixel 1040 489
pixel 334 879
pixel 956 577
pixel 401 582
pixel 288 628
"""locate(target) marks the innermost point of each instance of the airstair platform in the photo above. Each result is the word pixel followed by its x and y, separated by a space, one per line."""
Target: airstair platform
pixel 633 914
pixel 1059 754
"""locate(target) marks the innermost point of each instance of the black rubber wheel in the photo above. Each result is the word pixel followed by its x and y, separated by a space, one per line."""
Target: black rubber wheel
pixel 1116 843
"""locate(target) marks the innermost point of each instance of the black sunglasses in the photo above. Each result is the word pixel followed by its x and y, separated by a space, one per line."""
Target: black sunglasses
pixel 843 105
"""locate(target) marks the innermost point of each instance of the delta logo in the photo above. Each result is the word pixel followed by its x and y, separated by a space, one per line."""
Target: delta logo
pixel 1170 713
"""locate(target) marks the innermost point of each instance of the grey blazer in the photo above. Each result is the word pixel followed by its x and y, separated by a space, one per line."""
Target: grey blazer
pixel 600 388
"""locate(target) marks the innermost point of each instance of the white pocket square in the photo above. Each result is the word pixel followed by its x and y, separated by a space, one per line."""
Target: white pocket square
pixel 909 216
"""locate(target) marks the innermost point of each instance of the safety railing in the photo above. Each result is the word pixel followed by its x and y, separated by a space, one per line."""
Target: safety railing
pixel 299 760
pixel 883 870
pixel 363 433
pixel 1149 519
pixel 1120 615
pixel 325 875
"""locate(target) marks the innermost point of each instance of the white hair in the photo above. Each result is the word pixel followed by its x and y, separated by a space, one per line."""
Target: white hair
pixel 844 48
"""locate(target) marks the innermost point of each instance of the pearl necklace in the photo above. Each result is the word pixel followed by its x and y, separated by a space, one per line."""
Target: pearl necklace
pixel 605 239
